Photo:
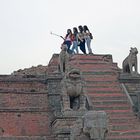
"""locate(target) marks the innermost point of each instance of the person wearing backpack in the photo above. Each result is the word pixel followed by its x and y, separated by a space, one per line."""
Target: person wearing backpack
pixel 81 39
pixel 75 41
pixel 88 36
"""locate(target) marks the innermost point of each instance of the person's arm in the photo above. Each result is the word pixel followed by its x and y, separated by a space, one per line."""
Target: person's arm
pixel 79 38
pixel 62 37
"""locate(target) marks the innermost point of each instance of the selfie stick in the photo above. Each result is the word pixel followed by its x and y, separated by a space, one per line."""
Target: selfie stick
pixel 57 35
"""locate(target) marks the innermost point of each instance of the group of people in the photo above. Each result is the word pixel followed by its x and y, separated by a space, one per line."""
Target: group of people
pixel 81 38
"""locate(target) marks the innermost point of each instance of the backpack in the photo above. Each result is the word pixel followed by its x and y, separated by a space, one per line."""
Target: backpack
pixel 91 37
pixel 73 38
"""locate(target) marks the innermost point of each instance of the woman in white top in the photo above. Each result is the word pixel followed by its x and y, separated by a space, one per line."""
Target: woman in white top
pixel 87 36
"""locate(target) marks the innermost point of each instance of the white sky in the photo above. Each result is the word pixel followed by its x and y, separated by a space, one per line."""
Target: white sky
pixel 25 27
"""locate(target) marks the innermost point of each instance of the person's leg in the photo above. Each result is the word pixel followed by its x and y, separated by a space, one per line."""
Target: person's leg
pixel 83 47
pixel 88 42
pixel 73 47
pixel 68 43
pixel 76 47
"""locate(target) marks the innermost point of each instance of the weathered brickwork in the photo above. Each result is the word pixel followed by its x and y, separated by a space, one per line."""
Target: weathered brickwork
pixel 24 112
pixel 24 123
pixel 21 102
pixel 29 104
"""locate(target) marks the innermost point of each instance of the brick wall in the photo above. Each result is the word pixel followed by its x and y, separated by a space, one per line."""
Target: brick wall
pixel 23 107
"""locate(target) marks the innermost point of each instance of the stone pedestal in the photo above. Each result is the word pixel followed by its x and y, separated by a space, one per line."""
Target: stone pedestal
pixel 86 125
pixel 71 108
pixel 62 126
pixel 128 77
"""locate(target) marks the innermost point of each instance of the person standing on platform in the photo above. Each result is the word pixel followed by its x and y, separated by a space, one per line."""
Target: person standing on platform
pixel 88 37
pixel 68 40
pixel 81 39
pixel 75 41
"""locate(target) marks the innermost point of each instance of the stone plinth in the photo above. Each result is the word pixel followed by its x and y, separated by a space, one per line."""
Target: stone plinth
pixel 62 127
pixel 128 77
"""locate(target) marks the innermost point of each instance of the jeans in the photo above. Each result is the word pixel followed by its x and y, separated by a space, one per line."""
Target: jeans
pixel 68 43
pixel 82 46
pixel 75 47
pixel 88 41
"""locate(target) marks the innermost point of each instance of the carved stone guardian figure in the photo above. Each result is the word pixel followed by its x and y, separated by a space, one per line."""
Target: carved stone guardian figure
pixel 130 62
pixel 73 97
pixel 63 58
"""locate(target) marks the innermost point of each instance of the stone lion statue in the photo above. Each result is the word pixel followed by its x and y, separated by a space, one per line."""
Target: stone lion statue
pixel 92 126
pixel 73 97
pixel 63 58
pixel 130 62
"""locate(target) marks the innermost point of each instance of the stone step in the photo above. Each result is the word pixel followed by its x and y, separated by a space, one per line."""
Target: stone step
pixel 102 76
pixel 111 102
pixel 123 120
pixel 108 99
pixel 26 137
pixel 126 132
pixel 104 90
pixel 121 95
pixel 101 92
pixel 111 107
pixel 130 137
pixel 100 79
pixel 95 57
pixel 102 104
pixel 102 85
pixel 94 98
pixel 121 126
pixel 123 116
pixel 107 82
pixel 119 111
pixel 99 73
pixel 95 66
pixel 87 57
pixel 94 61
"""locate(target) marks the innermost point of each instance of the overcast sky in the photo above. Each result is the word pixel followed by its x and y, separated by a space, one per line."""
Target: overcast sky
pixel 25 27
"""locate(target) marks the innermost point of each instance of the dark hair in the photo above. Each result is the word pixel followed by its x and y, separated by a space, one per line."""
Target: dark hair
pixel 85 28
pixel 75 31
pixel 69 31
pixel 80 28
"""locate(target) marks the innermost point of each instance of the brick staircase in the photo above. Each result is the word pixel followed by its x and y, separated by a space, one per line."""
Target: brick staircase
pixel 103 87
